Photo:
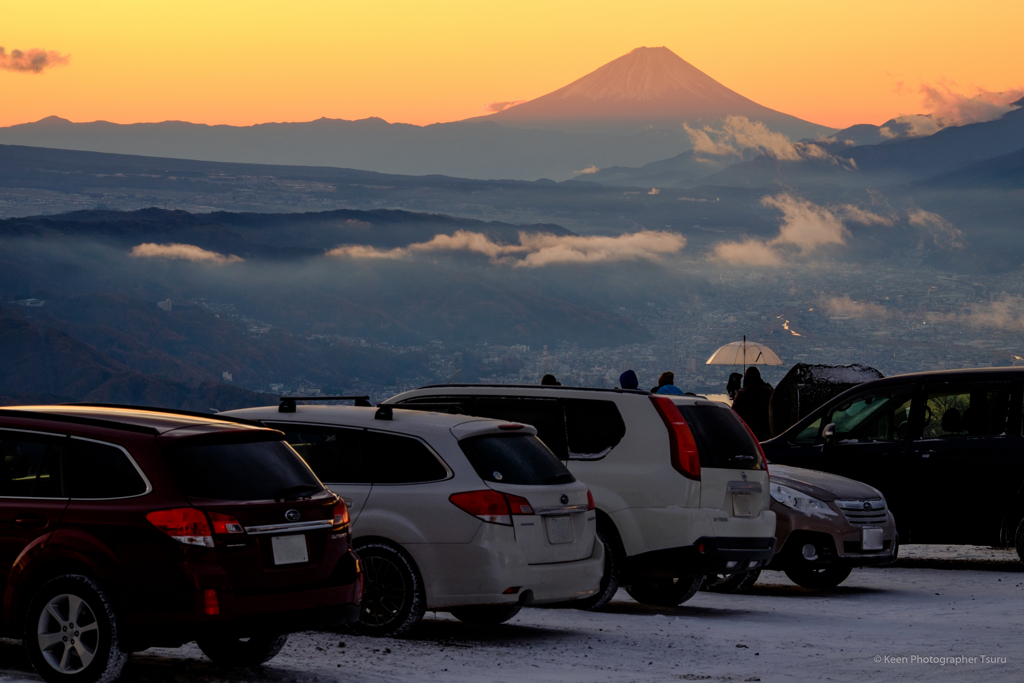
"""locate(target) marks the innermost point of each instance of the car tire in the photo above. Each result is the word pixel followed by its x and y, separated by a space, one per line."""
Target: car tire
pixel 230 651
pixel 818 577
pixel 665 592
pixel 394 599
pixel 609 580
pixel 71 632
pixel 485 615
pixel 731 583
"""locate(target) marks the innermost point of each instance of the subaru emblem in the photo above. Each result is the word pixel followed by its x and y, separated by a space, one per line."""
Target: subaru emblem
pixel 564 499
pixel 292 515
pixel 867 506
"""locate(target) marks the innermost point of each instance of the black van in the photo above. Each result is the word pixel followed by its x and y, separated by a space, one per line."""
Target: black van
pixel 944 448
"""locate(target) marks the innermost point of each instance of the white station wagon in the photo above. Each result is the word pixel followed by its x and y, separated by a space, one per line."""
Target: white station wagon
pixel 466 515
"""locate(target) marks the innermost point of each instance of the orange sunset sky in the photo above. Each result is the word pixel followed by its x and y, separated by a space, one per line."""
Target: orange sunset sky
pixel 224 61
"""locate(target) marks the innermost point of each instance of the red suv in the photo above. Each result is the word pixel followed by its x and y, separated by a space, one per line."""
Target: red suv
pixel 127 528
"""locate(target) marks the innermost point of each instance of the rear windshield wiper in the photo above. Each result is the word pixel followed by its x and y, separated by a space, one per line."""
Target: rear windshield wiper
pixel 295 492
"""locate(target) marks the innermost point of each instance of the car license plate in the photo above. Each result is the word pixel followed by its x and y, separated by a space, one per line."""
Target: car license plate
pixel 742 505
pixel 289 549
pixel 560 530
pixel 871 539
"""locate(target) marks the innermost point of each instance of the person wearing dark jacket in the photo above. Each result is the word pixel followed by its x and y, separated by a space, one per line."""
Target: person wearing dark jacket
pixel 751 403
pixel 628 380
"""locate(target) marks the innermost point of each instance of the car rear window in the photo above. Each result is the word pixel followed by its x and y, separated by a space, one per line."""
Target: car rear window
pixel 515 459
pixel 264 470
pixel 722 439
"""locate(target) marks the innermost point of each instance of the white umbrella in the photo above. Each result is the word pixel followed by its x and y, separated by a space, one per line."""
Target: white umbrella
pixel 744 353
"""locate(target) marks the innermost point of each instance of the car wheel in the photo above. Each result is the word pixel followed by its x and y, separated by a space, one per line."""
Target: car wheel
pixel 485 615
pixel 609 580
pixel 731 583
pixel 818 577
pixel 71 632
pixel 393 595
pixel 230 651
pixel 665 592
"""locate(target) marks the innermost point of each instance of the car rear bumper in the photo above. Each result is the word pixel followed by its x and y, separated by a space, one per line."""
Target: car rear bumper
pixel 496 573
pixel 330 604
pixel 712 555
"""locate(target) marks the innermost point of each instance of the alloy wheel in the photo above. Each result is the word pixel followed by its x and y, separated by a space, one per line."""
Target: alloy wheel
pixel 386 592
pixel 68 633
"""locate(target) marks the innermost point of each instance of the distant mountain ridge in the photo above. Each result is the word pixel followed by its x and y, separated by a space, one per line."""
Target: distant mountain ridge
pixel 626 113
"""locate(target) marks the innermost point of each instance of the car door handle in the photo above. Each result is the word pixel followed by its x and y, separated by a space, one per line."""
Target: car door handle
pixel 925 454
pixel 30 522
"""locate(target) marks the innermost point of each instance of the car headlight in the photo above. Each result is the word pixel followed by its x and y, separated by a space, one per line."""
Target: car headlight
pixel 800 501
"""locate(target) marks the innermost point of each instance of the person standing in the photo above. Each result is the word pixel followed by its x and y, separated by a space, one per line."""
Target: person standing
pixel 628 380
pixel 666 384
pixel 751 403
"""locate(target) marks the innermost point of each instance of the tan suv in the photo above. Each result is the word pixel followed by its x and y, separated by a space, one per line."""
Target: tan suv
pixel 826 526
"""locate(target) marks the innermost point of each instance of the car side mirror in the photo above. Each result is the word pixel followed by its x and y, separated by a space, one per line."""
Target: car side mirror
pixel 828 434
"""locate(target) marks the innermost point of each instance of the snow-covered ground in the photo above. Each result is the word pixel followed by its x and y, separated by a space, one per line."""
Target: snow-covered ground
pixel 779 632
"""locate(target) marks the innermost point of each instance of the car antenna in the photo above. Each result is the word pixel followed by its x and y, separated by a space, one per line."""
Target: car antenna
pixel 454 376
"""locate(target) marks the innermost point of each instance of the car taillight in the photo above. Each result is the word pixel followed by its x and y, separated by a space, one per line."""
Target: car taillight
pixel 685 457
pixel 341 513
pixel 211 603
pixel 590 501
pixel 518 505
pixel 225 524
pixel 492 506
pixel 184 525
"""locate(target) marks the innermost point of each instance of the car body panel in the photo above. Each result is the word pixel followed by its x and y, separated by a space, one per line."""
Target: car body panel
pixel 953 489
pixel 462 559
pixel 653 507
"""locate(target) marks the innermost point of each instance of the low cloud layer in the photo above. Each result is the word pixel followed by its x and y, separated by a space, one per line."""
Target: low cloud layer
pixel 738 134
pixel 534 250
pixel 185 252
pixel 1005 313
pixel 589 170
pixel 845 307
pixel 501 106
pixel 943 233
pixel 32 61
pixel 946 107
pixel 807 227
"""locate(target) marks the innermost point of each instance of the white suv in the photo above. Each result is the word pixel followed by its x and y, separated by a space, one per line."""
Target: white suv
pixel 680 483
pixel 449 513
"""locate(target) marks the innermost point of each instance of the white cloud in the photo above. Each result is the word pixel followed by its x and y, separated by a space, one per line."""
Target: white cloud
pixel 587 171
pixel 187 252
pixel 805 227
pixel 844 306
pixel 862 216
pixel 943 233
pixel 738 133
pixel 534 250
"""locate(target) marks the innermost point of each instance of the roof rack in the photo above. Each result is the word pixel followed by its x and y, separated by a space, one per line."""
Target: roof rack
pixel 539 386
pixel 173 411
pixel 75 419
pixel 287 404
